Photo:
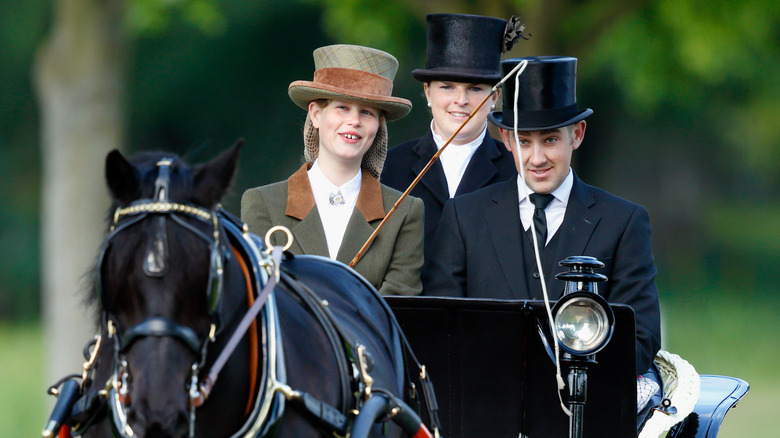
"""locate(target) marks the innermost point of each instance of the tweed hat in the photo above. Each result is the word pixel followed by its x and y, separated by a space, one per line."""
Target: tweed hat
pixel 354 74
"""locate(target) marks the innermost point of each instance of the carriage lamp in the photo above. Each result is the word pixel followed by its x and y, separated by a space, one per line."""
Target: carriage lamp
pixel 583 323
pixel 582 318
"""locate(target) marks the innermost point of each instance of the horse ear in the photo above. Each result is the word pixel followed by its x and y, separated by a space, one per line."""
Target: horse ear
pixel 214 178
pixel 122 177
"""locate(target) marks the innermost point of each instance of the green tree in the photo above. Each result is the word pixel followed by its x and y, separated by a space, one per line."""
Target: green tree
pixel 80 79
pixel 694 54
pixel 686 104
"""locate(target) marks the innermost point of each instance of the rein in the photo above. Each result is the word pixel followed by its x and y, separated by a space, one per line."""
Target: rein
pixel 246 321
pixel 156 264
pixel 264 268
pixel 266 404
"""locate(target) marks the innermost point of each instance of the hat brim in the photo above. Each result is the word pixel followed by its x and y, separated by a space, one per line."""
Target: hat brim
pixel 304 92
pixel 471 77
pixel 497 118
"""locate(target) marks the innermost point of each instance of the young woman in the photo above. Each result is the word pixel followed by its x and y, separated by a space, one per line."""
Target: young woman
pixel 333 203
pixel 461 67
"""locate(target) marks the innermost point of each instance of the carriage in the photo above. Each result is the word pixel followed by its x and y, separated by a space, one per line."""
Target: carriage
pixel 303 346
pixel 494 372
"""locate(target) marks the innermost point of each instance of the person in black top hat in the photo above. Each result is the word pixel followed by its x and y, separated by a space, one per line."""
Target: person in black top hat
pixel 461 68
pixel 483 247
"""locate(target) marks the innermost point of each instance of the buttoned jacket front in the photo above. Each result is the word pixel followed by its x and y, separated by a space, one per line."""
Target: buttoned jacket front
pixel 478 253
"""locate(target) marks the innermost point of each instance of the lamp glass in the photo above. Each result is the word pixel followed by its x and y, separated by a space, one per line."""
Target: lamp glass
pixel 582 325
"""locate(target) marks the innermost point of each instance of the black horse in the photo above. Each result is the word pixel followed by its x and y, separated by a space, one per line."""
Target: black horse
pixel 175 279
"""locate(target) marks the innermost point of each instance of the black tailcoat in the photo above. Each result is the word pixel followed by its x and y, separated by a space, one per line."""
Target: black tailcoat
pixel 491 163
pixel 478 252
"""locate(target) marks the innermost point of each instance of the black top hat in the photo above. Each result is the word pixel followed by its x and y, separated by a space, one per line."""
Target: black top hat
pixel 463 48
pixel 547 98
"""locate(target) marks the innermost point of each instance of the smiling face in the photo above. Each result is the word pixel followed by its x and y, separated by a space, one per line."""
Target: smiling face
pixel 545 155
pixel 346 131
pixel 452 102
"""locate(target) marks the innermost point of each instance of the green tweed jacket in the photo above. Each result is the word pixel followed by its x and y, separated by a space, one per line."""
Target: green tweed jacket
pixel 393 261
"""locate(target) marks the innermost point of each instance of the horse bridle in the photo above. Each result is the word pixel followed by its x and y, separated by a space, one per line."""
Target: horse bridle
pixel 155 265
pixel 273 390
pixel 155 261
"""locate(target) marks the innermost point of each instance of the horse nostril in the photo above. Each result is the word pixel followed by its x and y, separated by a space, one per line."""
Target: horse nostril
pixel 159 425
pixel 181 424
pixel 175 426
pixel 157 432
pixel 132 414
pixel 135 419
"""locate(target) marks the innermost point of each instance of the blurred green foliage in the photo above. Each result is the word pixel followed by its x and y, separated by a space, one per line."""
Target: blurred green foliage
pixel 20 33
pixel 385 25
pixel 684 91
pixel 155 17
pixel 719 332
pixel 686 106
pixel 715 59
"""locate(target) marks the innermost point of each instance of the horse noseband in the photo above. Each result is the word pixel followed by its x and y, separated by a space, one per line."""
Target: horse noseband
pixel 161 327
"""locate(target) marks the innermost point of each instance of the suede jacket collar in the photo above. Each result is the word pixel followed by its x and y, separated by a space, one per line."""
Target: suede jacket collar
pixel 300 198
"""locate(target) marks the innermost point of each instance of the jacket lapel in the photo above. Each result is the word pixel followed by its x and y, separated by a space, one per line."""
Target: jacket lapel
pixel 481 168
pixel 310 235
pixel 434 180
pixel 368 208
pixel 308 231
pixel 578 223
pixel 504 226
pixel 356 234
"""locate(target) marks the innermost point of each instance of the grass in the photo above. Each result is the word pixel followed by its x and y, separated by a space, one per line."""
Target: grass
pixel 23 395
pixel 731 335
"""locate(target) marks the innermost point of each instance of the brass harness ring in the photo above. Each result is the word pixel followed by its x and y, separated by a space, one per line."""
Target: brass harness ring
pixel 268 247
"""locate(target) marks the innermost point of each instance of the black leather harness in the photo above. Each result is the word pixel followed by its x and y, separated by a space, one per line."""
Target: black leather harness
pixel 272 393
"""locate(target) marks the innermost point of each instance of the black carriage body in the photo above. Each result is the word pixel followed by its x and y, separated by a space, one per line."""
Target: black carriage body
pixel 718 395
pixel 495 378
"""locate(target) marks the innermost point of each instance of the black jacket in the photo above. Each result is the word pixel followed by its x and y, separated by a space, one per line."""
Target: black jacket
pixel 491 163
pixel 478 253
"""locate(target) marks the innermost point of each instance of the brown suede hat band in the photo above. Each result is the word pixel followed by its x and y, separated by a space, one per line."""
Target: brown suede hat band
pixel 361 82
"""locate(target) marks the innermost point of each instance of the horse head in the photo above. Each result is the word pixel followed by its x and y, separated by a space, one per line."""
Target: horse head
pixel 184 290
pixel 159 281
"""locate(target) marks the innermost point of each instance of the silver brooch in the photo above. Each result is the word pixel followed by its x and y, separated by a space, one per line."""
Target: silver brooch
pixel 336 198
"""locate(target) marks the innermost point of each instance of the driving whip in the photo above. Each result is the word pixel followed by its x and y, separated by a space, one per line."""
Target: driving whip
pixel 518 69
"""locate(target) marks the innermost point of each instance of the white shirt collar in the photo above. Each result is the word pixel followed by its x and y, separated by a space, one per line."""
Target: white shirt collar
pixel 554 212
pixel 562 193
pixel 455 158
pixel 334 218
pixel 322 187
pixel 473 145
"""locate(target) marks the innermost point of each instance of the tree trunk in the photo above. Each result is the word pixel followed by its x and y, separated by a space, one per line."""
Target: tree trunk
pixel 79 76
